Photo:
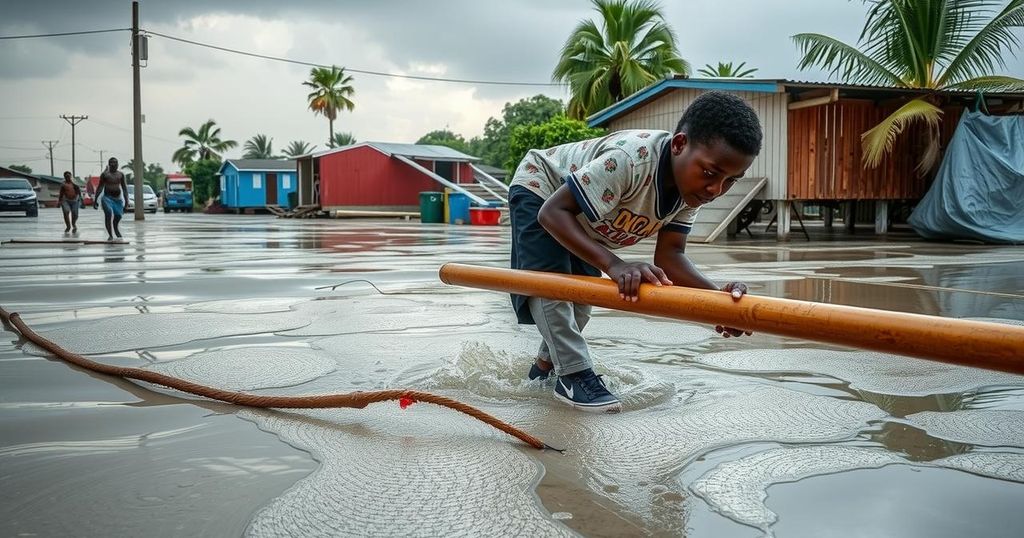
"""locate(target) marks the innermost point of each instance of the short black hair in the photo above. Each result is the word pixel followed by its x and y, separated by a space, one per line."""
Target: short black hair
pixel 722 116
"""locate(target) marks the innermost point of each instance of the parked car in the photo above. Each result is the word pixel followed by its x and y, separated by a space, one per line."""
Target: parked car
pixel 148 199
pixel 17 194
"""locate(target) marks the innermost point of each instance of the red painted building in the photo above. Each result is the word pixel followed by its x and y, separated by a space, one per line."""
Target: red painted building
pixel 383 176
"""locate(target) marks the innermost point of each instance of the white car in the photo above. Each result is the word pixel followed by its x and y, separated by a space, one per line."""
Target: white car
pixel 148 199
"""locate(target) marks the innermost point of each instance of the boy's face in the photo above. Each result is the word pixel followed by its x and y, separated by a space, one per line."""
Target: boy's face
pixel 704 172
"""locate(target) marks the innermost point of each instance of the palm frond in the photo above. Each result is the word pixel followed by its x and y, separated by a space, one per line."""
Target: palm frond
pixel 878 141
pixel 985 51
pixel 850 64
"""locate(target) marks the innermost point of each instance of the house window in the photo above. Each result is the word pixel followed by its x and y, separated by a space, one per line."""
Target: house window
pixel 286 181
pixel 257 181
pixel 223 183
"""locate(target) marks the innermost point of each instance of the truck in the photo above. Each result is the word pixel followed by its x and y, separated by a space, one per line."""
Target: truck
pixel 178 195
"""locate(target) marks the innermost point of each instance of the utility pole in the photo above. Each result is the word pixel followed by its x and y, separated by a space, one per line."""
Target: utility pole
pixel 137 114
pixel 73 120
pixel 48 144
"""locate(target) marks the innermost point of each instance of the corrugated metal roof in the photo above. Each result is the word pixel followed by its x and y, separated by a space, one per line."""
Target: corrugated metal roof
pixel 762 85
pixel 414 151
pixel 262 164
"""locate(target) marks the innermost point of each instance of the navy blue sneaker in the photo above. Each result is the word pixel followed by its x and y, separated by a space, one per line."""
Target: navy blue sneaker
pixel 586 391
pixel 537 373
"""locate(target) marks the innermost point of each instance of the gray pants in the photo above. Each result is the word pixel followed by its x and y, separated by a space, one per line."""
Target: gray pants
pixel 561 325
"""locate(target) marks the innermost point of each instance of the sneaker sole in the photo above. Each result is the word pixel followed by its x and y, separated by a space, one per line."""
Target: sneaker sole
pixel 609 408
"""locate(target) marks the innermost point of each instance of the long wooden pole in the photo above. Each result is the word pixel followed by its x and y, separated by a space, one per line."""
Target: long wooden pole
pixel 956 341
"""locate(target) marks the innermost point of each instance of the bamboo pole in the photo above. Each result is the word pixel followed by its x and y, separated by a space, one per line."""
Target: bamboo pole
pixel 955 341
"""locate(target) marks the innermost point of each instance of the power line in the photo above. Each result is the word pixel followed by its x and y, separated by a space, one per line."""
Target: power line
pixel 61 34
pixel 349 69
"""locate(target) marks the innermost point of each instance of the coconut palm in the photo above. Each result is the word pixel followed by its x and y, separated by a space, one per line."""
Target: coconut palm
pixel 630 47
pixel 298 147
pixel 331 93
pixel 726 70
pixel 343 139
pixel 204 143
pixel 259 147
pixel 931 44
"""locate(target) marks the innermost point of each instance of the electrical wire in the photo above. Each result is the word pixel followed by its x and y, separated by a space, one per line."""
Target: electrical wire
pixel 61 34
pixel 350 69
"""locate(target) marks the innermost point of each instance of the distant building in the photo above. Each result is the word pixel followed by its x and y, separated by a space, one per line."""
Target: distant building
pixel 389 176
pixel 256 183
pixel 812 142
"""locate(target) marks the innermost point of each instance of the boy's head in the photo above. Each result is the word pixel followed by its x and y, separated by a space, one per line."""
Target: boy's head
pixel 67 177
pixel 716 140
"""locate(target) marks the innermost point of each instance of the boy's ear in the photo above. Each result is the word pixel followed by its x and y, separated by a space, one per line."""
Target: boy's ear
pixel 679 143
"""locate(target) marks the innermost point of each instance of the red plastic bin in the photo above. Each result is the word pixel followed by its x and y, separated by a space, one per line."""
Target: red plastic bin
pixel 484 216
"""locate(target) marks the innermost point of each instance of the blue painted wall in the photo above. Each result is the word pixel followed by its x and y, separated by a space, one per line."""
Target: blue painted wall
pixel 240 189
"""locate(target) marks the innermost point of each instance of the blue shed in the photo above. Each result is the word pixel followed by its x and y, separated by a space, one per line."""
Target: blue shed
pixel 247 183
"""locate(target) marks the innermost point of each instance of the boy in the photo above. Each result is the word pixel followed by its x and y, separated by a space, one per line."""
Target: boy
pixel 572 203
pixel 69 199
pixel 112 193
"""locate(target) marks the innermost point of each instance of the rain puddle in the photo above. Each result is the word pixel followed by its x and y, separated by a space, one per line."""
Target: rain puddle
pixel 759 436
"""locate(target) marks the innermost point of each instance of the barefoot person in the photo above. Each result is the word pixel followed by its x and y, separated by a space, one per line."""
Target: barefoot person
pixel 110 194
pixel 69 199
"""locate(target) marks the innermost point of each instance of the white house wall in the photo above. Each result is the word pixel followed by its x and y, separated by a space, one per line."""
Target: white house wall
pixel 771 108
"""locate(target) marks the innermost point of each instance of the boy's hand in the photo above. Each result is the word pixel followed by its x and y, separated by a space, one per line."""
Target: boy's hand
pixel 629 276
pixel 738 289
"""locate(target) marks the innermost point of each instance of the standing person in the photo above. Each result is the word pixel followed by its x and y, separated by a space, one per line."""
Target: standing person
pixel 69 199
pixel 111 193
pixel 573 204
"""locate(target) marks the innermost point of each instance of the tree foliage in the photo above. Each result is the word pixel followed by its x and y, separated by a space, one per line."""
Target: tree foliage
pixel 204 179
pixel 629 47
pixel 554 132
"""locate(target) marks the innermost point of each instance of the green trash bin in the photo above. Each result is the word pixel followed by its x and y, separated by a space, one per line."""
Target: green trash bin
pixel 293 199
pixel 432 207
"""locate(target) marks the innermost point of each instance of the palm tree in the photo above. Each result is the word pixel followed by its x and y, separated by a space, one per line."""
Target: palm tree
pixel 202 144
pixel 931 44
pixel 331 94
pixel 726 70
pixel 343 139
pixel 259 147
pixel 632 47
pixel 298 147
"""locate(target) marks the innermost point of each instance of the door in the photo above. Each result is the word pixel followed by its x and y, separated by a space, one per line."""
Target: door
pixel 271 189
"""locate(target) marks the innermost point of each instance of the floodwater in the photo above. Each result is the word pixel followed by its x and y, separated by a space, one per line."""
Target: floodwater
pixel 719 437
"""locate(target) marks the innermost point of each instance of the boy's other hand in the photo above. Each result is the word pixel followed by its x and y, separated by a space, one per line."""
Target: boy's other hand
pixel 738 290
pixel 629 276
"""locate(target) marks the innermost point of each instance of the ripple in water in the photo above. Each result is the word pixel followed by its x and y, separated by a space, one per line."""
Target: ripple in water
pixel 502 375
pixel 251 368
pixel 469 482
pixel 976 427
pixel 738 489
pixel 874 372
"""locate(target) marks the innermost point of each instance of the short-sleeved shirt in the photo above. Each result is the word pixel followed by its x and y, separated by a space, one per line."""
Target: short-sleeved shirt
pixel 623 182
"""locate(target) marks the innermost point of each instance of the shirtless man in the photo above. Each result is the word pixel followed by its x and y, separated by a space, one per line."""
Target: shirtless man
pixel 111 193
pixel 69 199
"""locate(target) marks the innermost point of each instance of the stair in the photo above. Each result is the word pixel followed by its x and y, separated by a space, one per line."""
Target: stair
pixel 481 191
pixel 714 218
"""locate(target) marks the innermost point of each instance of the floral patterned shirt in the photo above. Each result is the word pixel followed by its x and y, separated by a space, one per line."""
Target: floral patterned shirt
pixel 623 182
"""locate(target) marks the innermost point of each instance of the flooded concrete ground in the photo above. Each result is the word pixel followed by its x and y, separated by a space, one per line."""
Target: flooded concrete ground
pixel 720 437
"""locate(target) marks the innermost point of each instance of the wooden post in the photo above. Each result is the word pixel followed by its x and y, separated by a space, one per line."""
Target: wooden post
pixel 881 216
pixel 783 221
pixel 850 218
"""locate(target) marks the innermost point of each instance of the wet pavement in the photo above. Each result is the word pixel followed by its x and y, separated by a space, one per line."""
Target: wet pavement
pixel 720 437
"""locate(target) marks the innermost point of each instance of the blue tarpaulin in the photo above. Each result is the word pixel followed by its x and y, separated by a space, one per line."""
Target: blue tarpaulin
pixel 978 193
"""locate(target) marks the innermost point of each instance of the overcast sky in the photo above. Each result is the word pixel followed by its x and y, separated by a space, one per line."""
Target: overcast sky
pixel 184 85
